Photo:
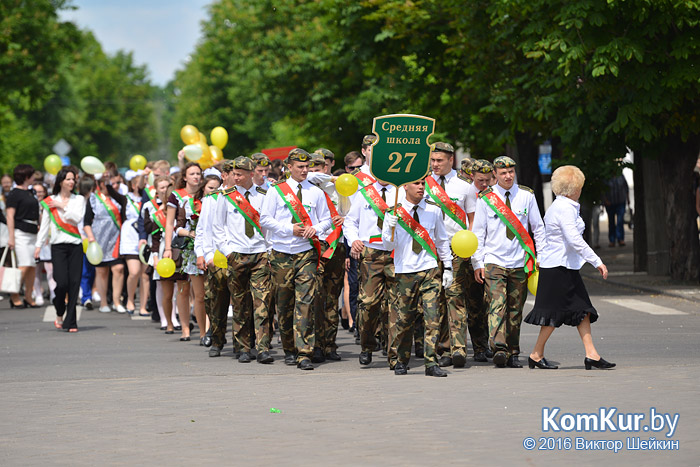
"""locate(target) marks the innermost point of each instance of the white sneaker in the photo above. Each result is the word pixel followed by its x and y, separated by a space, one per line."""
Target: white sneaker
pixel 120 308
pixel 105 309
pixel 96 297
pixel 39 300
pixel 230 311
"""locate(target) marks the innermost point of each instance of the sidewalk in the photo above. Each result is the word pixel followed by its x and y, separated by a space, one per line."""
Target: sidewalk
pixel 620 263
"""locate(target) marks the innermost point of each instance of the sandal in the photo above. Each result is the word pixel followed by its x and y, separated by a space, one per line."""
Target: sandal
pixel 58 325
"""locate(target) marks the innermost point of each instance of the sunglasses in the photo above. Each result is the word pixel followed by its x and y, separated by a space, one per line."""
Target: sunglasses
pixel 354 167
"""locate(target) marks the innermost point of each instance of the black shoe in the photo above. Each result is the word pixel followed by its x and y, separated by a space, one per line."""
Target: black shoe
pixel 305 364
pixel 318 356
pixel 169 332
pixel 435 371
pixel 459 360
pixel 178 328
pixel 244 358
pixel 365 358
pixel 215 351
pixel 445 361
pixel 89 306
pixel 185 339
pixel 588 363
pixel 356 334
pixel 543 363
pixel 351 329
pixel 163 328
pixel 419 352
pixel 333 355
pixel 480 357
pixel 207 341
pixel 345 323
pixel 489 353
pixel 289 358
pixel 265 357
pixel 499 359
pixel 236 354
pixel 513 362
pixel 20 306
pixel 191 326
pixel 400 369
pixel 384 352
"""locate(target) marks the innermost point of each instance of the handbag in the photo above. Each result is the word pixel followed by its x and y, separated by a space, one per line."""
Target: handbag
pixel 10 278
pixel 178 244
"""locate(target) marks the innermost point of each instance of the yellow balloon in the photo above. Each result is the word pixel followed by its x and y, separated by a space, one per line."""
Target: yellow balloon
pixel 165 267
pixel 94 253
pixel 532 282
pixel 85 245
pixel 189 134
pixel 137 162
pixel 220 260
pixel 53 164
pixel 193 152
pixel 219 136
pixel 92 165
pixel 346 185
pixel 202 138
pixel 216 154
pixel 464 243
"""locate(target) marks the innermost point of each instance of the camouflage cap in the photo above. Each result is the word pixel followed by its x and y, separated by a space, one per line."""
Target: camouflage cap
pixel 316 159
pixel 260 159
pixel 466 165
pixel 503 162
pixel 227 165
pixel 243 163
pixel 326 153
pixel 299 155
pixel 481 166
pixel 442 147
pixel 369 139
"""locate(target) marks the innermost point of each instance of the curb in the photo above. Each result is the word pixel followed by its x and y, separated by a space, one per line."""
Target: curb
pixel 639 288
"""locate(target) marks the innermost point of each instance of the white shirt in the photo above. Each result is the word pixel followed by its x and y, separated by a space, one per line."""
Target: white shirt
pixel 203 238
pixel 72 214
pixel 494 245
pixel 229 225
pixel 459 192
pixel 361 222
pixel 565 244
pixel 405 260
pixel 277 218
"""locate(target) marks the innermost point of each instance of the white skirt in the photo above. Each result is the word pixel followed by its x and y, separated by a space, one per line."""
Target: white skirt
pixel 24 248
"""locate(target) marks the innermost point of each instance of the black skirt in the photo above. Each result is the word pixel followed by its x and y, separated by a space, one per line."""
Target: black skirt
pixel 561 299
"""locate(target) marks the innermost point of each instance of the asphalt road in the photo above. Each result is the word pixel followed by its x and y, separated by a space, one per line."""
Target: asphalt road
pixel 122 392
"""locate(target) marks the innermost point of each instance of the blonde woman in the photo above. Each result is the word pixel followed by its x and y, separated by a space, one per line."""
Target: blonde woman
pixel 561 296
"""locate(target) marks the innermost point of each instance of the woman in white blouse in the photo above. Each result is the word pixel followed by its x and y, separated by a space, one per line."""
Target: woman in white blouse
pixel 561 296
pixel 59 223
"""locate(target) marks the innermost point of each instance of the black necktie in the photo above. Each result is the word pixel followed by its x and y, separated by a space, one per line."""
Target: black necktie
pixel 416 246
pixel 509 233
pixel 442 184
pixel 248 226
pixel 380 221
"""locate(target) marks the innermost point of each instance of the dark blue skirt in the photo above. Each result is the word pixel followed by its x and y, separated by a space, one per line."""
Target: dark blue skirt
pixel 561 299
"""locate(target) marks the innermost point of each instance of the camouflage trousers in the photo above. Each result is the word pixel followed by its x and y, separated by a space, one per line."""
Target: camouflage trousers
pixel 506 291
pixel 249 275
pixel 410 290
pixel 465 307
pixel 330 282
pixel 295 279
pixel 376 286
pixel 216 302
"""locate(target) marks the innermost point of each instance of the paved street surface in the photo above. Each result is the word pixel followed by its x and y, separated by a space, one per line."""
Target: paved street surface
pixel 122 392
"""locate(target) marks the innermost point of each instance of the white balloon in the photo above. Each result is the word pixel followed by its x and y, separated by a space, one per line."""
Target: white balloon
pixel 193 152
pixel 92 165
pixel 94 253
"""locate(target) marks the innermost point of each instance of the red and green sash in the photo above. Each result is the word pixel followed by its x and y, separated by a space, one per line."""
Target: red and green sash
pixel 134 204
pixel 377 204
pixel 298 212
pixel 336 234
pixel 449 207
pixel 511 221
pixel 364 179
pixel 182 195
pixel 195 207
pixel 150 192
pixel 159 217
pixel 60 224
pixel 416 231
pixel 246 209
pixel 113 211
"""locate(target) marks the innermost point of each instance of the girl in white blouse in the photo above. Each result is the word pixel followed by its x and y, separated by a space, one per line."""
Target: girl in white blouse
pixel 561 296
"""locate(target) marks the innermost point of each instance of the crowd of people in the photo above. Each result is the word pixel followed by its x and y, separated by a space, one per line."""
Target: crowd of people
pixel 303 260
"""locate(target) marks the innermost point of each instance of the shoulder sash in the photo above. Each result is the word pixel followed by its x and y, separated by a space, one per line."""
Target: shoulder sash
pixel 444 202
pixel 58 222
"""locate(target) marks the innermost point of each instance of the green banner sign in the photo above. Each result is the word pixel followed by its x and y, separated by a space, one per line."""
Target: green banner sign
pixel 401 153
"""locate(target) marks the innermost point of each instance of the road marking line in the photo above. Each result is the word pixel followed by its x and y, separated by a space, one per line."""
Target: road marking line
pixel 644 307
pixel 50 314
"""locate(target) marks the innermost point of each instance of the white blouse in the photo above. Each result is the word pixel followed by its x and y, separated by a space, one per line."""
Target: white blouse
pixel 565 244
pixel 72 214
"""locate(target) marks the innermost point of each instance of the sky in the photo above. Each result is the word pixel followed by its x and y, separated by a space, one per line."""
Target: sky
pixel 160 33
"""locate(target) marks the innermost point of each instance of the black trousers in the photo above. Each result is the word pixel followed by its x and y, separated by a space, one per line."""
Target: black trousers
pixel 67 260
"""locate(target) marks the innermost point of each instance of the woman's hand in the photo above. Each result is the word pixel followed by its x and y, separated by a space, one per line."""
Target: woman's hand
pixel 11 240
pixel 36 253
pixel 201 263
pixel 603 271
pixel 168 253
